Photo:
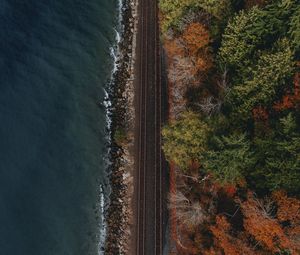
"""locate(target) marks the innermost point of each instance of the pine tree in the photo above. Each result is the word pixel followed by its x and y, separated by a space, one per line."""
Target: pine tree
pixel 267 79
pixel 283 162
pixel 257 29
pixel 231 159
pixel 279 157
pixel 294 30
pixel 238 41
pixel 216 8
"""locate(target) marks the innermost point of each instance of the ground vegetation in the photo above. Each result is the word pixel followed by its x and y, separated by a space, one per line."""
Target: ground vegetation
pixel 234 131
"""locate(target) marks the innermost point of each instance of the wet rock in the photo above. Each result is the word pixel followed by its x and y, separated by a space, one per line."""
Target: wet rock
pixel 119 213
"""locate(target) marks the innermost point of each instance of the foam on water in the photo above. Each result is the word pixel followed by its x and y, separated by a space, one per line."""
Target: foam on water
pixel 115 54
pixel 54 61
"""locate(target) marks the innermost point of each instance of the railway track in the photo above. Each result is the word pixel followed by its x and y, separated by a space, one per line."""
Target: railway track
pixel 149 230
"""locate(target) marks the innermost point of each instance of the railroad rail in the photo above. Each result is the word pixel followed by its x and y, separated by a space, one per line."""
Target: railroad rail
pixel 149 230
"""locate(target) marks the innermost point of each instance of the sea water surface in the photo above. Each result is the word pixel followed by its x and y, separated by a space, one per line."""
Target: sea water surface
pixel 55 62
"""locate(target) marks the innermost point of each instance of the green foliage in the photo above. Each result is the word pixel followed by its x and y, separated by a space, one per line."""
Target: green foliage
pixel 259 50
pixel 231 159
pixel 283 160
pixel 294 30
pixel 239 41
pixel 216 8
pixel 120 136
pixel 267 79
pixel 185 140
pixel 256 29
pixel 275 18
pixel 279 157
pixel 173 10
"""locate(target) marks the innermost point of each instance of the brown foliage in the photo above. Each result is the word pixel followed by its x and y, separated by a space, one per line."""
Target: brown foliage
pixel 212 251
pixel 174 48
pixel 181 71
pixel 294 235
pixel 186 241
pixel 230 244
pixel 230 190
pixel 196 37
pixel 262 227
pixel 286 103
pixel 204 61
pixel 261 121
pixel 290 100
pixel 186 66
pixel 288 207
pixel 250 3
pixel 260 114
pixel 288 211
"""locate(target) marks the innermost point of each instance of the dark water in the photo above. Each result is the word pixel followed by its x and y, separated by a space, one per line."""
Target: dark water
pixel 54 64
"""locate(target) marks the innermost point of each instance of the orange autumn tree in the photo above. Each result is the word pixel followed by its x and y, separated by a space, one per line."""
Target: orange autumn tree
pixel 288 207
pixel 224 239
pixel 174 48
pixel 288 211
pixel 188 58
pixel 262 226
pixel 196 37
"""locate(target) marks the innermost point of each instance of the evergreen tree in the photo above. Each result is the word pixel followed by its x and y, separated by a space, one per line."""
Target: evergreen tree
pixel 280 157
pixel 216 8
pixel 256 29
pixel 267 79
pixel 239 41
pixel 230 160
pixel 294 30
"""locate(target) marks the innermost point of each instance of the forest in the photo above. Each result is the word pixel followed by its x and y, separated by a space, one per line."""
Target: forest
pixel 233 136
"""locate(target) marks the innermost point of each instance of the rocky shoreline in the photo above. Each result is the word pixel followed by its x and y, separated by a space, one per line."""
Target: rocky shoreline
pixel 119 214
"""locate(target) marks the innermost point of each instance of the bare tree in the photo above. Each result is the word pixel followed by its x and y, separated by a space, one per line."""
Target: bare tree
pixel 266 206
pixel 192 16
pixel 182 70
pixel 197 178
pixel 187 212
pixel 223 83
pixel 210 105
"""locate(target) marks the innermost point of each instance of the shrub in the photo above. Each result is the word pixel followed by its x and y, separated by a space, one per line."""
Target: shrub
pixel 120 136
